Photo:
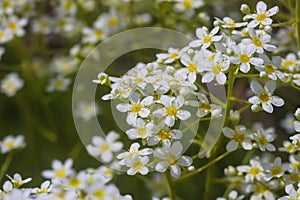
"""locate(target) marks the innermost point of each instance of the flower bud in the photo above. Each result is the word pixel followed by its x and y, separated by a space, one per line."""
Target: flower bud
pixel 268 29
pixel 297 114
pixel 191 168
pixel 234 116
pixel 245 9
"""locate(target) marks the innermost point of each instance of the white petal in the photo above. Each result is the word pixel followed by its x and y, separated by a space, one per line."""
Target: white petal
pixel 170 121
pixel 254 100
pixel 207 77
pixel 195 43
pixel 185 161
pixel 273 11
pixel 297 126
pixel 161 166
pixel 221 78
pixel 175 171
pixel 256 87
pixel 261 7
pixel 228 132
pixel 277 101
pixel 270 86
pixel 183 114
pixel 231 146
pixel 123 107
pixel 144 112
pixel 267 107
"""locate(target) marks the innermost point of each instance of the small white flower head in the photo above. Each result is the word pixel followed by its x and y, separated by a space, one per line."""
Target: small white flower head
pixel 165 136
pixel 233 195
pixel 171 110
pixel 288 123
pixel 290 62
pixel 215 70
pixel 296 140
pixel 205 38
pixel 229 23
pixel 260 39
pixel 244 57
pixel 11 84
pixel 274 170
pixel 192 66
pixel 16 26
pixel 137 165
pixel 264 96
pixel 185 5
pixel 297 114
pixel 134 150
pixel 292 193
pixel 287 147
pixel 10 143
pixel 263 139
pixel 93 35
pixel 105 147
pixel 59 170
pixel 7 187
pixel 141 130
pixel 64 65
pixel 262 15
pixel 5 35
pixel 270 68
pixel 18 194
pixel 171 157
pixel 86 110
pixel 18 181
pixel 245 9
pixel 237 137
pixel 170 57
pixel 234 116
pixel 253 172
pixel 46 187
pixel 102 79
pixel 297 126
pixel 58 84
pixel 136 108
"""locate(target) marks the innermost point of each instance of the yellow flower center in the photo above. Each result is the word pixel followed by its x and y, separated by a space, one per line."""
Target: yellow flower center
pixel 138 80
pixel 163 134
pixel 239 137
pixel 107 172
pixel 205 107
pixel 269 68
pixel 137 165
pixel 68 5
pixel 74 182
pixel 61 173
pixel 286 63
pixel 100 194
pixel 10 144
pixel 192 68
pixel 98 33
pixel 171 110
pixel 262 140
pixel 187 4
pixel 174 55
pixel 113 21
pixel 136 107
pixel 290 148
pixel 1 35
pixel 254 171
pixel 142 131
pixel 261 17
pixel 105 147
pixel 257 43
pixel 244 58
pixel 260 188
pixel 211 57
pixel 216 69
pixel 172 160
pixel 13 26
pixel 264 97
pixel 207 39
pixel 275 170
pixel 295 176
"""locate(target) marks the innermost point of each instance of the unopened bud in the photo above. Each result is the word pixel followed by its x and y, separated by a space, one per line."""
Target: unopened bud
pixel 245 9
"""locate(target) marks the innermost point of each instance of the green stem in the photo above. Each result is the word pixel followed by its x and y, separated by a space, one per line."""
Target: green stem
pixel 298 22
pixel 204 167
pixel 6 165
pixel 287 23
pixel 171 189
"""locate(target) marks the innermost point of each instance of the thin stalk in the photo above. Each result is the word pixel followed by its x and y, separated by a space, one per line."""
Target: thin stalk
pixel 171 189
pixel 5 165
pixel 298 22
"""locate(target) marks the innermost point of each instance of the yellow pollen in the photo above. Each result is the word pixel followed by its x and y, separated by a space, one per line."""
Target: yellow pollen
pixel 142 131
pixel 174 55
pixel 13 26
pixel 10 144
pixel 216 69
pixel 136 107
pixel 244 58
pixel 74 182
pixel 1 35
pixel 172 160
pixel 264 97
pixel 171 110
pixel 187 4
pixel 68 5
pixel 239 137
pixel 207 39
pixel 261 17
pixel 269 68
pixel 254 171
pixel 42 190
pixel 262 140
pixel 286 63
pixel 98 33
pixel 205 107
pixel 163 134
pixel 261 188
pixel 295 176
pixel 105 147
pixel 257 43
pixel 107 172
pixel 137 165
pixel 290 148
pixel 192 68
pixel 113 21
pixel 58 84
pixel 100 194
pixel 138 80
pixel 61 173
pixel 275 170
pixel 211 58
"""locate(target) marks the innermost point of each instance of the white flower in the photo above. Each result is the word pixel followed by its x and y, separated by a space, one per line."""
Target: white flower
pixel 10 143
pixel 205 38
pixel 45 188
pixel 142 130
pixel 262 15
pixel 102 78
pixel 134 150
pixel 11 84
pixel 238 137
pixel 233 195
pixel 287 147
pixel 165 136
pixel 216 69
pixel 183 5
pixel 228 22
pixel 64 65
pixel 244 57
pixel 170 57
pixel 192 66
pixel 137 165
pixel 292 194
pixel 171 110
pixel 16 26
pixel 58 84
pixel 270 68
pixel 59 170
pixel 260 39
pixel 86 110
pixel 5 35
pixel 171 157
pixel 263 139
pixel 18 181
pixel 104 147
pixel 135 108
pixel 296 140
pixel 288 123
pixel 253 172
pixel 290 62
pixel 275 169
pixel 297 126
pixel 18 194
pixel 264 96
pixel 93 35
